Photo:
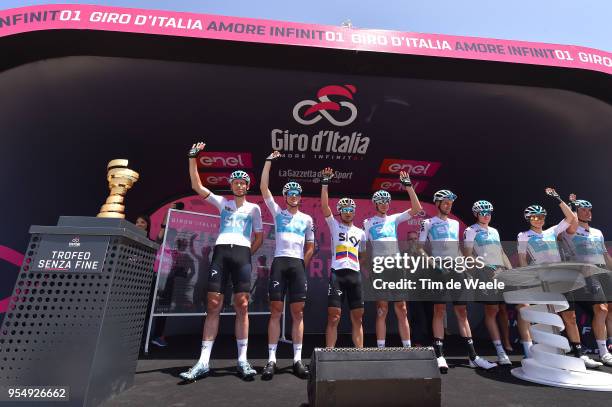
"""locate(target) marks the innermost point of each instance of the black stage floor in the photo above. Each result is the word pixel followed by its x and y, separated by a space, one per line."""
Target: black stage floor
pixel 157 382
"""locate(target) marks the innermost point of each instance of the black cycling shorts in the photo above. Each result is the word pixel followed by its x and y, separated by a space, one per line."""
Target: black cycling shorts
pixel 230 260
pixel 288 274
pixel 345 283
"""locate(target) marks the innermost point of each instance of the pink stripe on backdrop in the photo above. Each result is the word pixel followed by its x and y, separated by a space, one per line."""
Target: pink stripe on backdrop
pixel 4 304
pixel 10 255
pixel 89 17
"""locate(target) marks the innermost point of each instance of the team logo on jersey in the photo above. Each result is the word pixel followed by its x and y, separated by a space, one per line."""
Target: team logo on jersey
pixel 345 111
pixel 213 272
pixel 228 209
pixel 275 284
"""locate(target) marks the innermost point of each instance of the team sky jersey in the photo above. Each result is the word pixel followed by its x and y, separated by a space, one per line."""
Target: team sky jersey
pixel 542 247
pixel 380 229
pixel 485 242
pixel 443 236
pixel 291 231
pixel 586 246
pixel 236 224
pixel 346 243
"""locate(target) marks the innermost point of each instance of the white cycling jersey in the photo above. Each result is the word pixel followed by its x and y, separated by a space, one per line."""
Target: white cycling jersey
pixel 382 232
pixel 585 246
pixel 346 243
pixel 236 224
pixel 291 230
pixel 485 242
pixel 443 236
pixel 542 247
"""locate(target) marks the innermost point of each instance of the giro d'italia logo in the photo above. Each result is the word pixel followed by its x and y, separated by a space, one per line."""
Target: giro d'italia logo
pixel 339 114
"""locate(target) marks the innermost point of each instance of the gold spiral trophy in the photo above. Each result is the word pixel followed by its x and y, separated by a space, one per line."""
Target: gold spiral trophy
pixel 120 179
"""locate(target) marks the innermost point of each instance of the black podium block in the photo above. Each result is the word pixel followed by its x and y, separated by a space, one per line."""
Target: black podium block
pixel 374 377
pixel 78 310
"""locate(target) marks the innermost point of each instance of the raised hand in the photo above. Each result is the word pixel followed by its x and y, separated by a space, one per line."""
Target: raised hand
pixel 405 179
pixel 195 149
pixel 552 193
pixel 273 156
pixel 326 175
pixel 572 197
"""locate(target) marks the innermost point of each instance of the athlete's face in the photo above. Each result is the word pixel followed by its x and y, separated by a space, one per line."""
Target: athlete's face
pixel 293 200
pixel 445 206
pixel 382 207
pixel 584 214
pixel 141 223
pixel 239 187
pixel 484 218
pixel 346 215
pixel 537 221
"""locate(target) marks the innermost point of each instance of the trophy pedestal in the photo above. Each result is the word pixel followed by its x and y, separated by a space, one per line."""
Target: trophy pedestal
pixel 77 312
pixel 549 365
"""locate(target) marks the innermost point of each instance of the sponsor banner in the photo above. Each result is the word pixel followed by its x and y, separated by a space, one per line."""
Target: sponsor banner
pixel 160 22
pixel 312 176
pixel 394 185
pixel 414 168
pixel 213 159
pixel 220 179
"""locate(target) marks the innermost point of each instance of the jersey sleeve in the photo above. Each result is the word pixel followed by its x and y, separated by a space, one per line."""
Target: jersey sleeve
pixel 403 217
pixel 257 223
pixel 561 227
pixel 366 227
pixel 217 200
pixel 425 225
pixel 332 223
pixel 309 237
pixel 272 206
pixel 522 240
pixel 362 242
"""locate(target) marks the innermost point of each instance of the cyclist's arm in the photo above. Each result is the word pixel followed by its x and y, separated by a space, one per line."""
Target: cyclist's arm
pixel 265 180
pixel 257 242
pixel 506 260
pixel 468 243
pixel 570 217
pixel 196 183
pixel 522 249
pixel 257 229
pixel 308 252
pixel 422 238
pixel 325 201
pixel 414 201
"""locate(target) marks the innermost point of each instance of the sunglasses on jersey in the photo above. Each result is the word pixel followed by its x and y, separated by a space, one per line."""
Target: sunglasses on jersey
pixel 293 192
pixel 347 209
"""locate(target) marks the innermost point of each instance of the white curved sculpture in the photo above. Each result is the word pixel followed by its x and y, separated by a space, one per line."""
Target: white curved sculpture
pixel 549 365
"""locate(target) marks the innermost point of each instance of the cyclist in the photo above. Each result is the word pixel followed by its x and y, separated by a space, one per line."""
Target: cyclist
pixel 294 248
pixel 443 234
pixel 482 240
pixel 586 245
pixel 540 246
pixel 231 259
pixel 347 249
pixel 381 230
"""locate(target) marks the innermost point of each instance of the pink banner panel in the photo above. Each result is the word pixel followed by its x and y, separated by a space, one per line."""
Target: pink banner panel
pixel 90 17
